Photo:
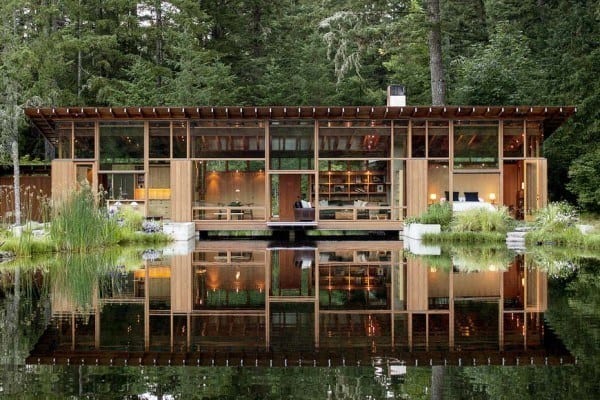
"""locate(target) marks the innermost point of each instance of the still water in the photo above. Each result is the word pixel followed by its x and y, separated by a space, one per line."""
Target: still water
pixel 323 320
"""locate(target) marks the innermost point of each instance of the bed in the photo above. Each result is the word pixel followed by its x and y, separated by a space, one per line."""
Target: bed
pixel 469 201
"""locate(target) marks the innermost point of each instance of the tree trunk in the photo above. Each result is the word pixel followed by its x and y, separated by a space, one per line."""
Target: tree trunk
pixel 438 84
pixel 16 180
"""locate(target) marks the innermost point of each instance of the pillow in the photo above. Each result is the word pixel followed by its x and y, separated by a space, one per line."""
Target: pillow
pixel 360 203
pixel 454 196
pixel 305 204
pixel 471 196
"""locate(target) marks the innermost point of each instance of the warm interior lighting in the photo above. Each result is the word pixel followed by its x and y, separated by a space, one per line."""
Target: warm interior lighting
pixel 432 198
pixel 492 197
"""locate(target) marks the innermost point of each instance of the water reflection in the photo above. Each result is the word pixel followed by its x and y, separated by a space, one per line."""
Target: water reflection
pixel 322 304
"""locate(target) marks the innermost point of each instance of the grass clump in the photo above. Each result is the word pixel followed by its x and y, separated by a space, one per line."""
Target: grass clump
pixel 437 213
pixel 556 224
pixel 79 224
pixel 482 220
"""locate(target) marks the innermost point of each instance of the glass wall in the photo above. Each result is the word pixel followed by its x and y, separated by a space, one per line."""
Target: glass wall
pixel 84 140
pixel 513 139
pixel 354 139
pixel 121 158
pixel 438 181
pixel 438 139
pixel 65 131
pixel 121 142
pixel 292 145
pixel 354 189
pixel 475 144
pixel 534 139
pixel 400 139
pixel 160 139
pixel 227 139
pixel 229 189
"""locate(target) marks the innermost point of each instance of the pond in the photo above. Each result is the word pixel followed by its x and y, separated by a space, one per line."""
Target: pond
pixel 326 319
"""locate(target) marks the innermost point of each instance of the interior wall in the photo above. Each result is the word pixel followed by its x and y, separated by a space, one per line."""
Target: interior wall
pixel 483 184
pixel 289 190
pixel 226 187
pixel 512 184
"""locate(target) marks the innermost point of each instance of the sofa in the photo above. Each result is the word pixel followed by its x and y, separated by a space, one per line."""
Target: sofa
pixel 304 214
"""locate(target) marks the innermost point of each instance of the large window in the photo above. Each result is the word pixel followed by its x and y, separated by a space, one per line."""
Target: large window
pixel 475 145
pixel 223 189
pixel 84 140
pixel 534 139
pixel 121 142
pixel 63 145
pixel 227 139
pixel 401 139
pixel 292 145
pixel 438 136
pixel 513 139
pixel 354 139
pixel 165 135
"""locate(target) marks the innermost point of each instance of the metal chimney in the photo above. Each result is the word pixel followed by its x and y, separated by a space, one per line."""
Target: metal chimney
pixel 396 96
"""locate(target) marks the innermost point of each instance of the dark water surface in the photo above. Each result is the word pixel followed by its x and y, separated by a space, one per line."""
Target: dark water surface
pixel 330 319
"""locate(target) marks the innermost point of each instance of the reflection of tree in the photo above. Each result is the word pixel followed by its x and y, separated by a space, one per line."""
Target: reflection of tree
pixel 574 315
pixel 23 308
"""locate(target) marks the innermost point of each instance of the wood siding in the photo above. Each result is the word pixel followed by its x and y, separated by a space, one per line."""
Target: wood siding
pixel 543 182
pixel 63 179
pixel 31 206
pixel 181 190
pixel 416 186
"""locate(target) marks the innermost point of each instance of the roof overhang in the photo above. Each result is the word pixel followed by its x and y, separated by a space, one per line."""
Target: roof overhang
pixel 44 119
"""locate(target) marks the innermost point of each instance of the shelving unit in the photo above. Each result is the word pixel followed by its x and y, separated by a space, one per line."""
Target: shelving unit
pixel 351 185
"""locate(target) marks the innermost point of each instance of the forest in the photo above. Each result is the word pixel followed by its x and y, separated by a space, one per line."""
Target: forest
pixel 310 52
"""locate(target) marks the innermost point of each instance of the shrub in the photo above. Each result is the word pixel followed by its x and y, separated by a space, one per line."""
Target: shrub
pixel 483 220
pixel 555 217
pixel 438 213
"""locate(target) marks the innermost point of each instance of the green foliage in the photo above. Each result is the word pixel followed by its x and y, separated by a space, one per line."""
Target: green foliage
pixel 78 224
pixel 130 218
pixel 437 213
pixel 584 174
pixel 482 220
pixel 464 237
pixel 556 217
pixel 499 72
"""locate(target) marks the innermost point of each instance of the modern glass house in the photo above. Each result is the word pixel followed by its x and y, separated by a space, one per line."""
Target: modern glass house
pixel 360 167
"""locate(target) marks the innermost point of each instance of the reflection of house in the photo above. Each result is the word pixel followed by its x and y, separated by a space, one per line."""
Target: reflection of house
pixel 245 302
pixel 364 168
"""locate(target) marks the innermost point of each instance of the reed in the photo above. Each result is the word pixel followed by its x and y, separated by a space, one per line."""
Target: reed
pixel 79 225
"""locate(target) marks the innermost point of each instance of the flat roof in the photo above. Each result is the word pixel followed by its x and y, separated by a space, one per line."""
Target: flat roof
pixel 44 119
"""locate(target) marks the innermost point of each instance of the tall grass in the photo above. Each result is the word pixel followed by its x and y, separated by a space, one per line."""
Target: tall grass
pixel 556 224
pixel 482 220
pixel 437 213
pixel 79 225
